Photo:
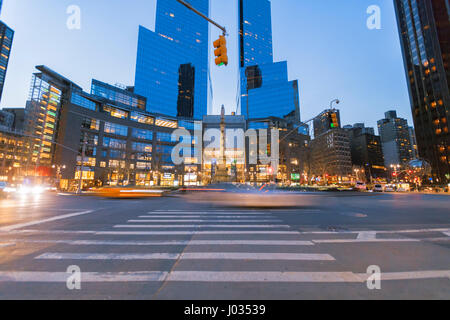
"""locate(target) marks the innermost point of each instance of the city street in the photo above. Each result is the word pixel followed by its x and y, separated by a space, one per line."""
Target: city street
pixel 167 248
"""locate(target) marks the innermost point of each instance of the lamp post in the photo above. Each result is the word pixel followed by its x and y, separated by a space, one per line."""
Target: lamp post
pixel 337 101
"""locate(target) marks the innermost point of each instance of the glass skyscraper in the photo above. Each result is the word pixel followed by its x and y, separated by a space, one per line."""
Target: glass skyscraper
pixel 424 28
pixel 172 69
pixel 6 39
pixel 264 85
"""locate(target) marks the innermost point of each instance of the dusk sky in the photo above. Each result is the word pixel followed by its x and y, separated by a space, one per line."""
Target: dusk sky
pixel 327 44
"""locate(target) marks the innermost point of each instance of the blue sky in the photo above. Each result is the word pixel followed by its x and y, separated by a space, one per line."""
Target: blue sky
pixel 326 42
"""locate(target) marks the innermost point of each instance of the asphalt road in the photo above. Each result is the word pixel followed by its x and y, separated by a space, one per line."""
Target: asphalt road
pixel 167 248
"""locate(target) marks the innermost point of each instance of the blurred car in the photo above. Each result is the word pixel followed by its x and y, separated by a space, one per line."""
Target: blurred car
pixel 6 190
pixel 266 196
pixel 30 189
pixel 360 186
pixel 378 188
pixel 126 192
pixel 389 188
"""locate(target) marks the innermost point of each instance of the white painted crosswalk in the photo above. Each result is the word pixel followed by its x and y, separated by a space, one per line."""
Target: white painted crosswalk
pixel 212 238
pixel 187 256
pixel 200 226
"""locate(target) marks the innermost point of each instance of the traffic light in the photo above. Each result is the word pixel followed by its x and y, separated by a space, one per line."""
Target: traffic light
pixel 221 51
pixel 334 122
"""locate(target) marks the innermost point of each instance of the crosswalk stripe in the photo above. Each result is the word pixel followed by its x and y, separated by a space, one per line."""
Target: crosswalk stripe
pixel 4 245
pixel 367 235
pixel 173 242
pixel 364 240
pixel 205 216
pixel 212 213
pixel 21 276
pixel 188 233
pixel 201 220
pixel 187 256
pixel 208 276
pixel 32 223
pixel 198 226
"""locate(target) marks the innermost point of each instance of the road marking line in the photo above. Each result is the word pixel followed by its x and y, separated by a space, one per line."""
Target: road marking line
pixel 189 233
pixel 241 277
pixel 198 226
pixel 51 232
pixel 23 225
pixel 447 233
pixel 255 256
pixel 204 217
pixel 367 235
pixel 149 233
pixel 211 213
pixel 202 221
pixel 5 245
pixel 412 275
pixel 187 256
pixel 208 276
pixel 378 231
pixel 436 239
pixel 174 242
pixel 157 276
pixel 364 240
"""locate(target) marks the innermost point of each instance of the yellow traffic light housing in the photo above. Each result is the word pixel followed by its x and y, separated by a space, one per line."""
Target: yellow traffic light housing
pixel 221 51
pixel 334 120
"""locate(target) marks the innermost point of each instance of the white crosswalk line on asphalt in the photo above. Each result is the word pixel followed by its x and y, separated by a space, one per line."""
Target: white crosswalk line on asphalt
pixel 367 235
pixel 206 216
pixel 198 226
pixel 4 245
pixel 220 276
pixel 187 256
pixel 202 221
pixel 187 233
pixel 212 213
pixel 32 223
pixel 447 233
pixel 340 241
pixel 172 242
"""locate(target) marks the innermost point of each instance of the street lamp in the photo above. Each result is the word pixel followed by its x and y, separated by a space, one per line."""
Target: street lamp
pixel 337 101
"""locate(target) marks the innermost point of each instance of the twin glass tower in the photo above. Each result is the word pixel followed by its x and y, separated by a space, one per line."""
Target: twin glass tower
pixel 172 69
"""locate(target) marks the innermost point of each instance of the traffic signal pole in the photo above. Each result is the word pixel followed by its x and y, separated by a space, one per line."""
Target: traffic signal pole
pixel 187 5
pixel 220 44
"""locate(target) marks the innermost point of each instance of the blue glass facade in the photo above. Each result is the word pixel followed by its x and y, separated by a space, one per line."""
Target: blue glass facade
pixel 6 40
pixel 172 62
pixel 265 88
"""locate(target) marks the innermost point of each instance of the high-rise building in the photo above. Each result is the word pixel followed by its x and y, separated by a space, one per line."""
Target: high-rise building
pixel 395 138
pixel 49 91
pixel 424 28
pixel 331 156
pixel 264 85
pixel 172 69
pixel 367 151
pixel 6 39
